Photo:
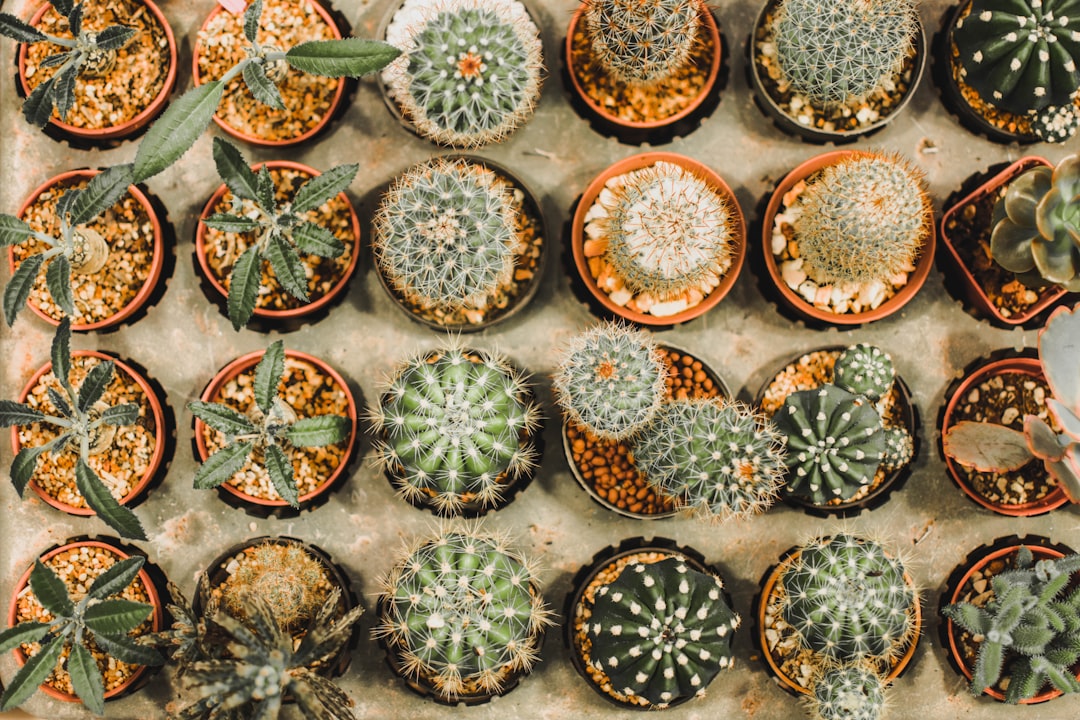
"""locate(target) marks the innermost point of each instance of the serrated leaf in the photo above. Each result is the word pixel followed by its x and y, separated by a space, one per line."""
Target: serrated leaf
pixel 85 677
pixel 15 413
pixel 322 188
pixel 244 283
pixel 251 20
pixel 115 515
pixel 59 401
pixel 38 106
pixel 280 469
pixel 50 590
pixel 63 92
pixel 114 37
pixel 264 191
pixel 986 447
pixel 54 60
pixel 234 170
pixel 58 281
pixel 114 580
pixel 65 203
pixel 24 632
pixel 60 353
pixel 23 467
pixel 319 431
pixel 75 19
pixel 13 230
pixel 262 88
pixel 116 616
pixel 64 7
pixel 315 240
pixel 177 129
pixel 268 375
pixel 230 223
pixel 125 650
pixel 19 287
pixel 126 414
pixel 287 267
pixel 94 384
pixel 222 465
pixel 14 28
pixel 31 675
pixel 350 57
pixel 222 418
pixel 102 192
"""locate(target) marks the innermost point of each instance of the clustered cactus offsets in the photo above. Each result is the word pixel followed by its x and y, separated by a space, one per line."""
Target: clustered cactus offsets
pixel 470 71
pixel 642 41
pixel 847 692
pixel 864 370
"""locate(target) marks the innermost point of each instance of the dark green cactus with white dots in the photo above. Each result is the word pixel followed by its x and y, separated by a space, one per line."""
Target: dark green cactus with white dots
pixel 847 692
pixel 661 631
pixel 864 370
pixel 642 41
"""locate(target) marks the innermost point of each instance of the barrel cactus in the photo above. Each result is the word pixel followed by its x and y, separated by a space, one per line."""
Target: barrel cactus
pixel 863 219
pixel 470 71
pixel 847 692
pixel 719 459
pixel 661 631
pixel 462 613
pixel 864 370
pixel 456 428
pixel 610 380
pixel 835 51
pixel 642 41
pixel 445 235
pixel 848 599
pixel 1037 226
pixel 899 448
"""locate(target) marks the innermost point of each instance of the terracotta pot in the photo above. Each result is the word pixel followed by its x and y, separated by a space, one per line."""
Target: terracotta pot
pixel 636 162
pixel 156 597
pixel 264 318
pixel 264 507
pixel 157 261
pixel 158 464
pixel 796 302
pixel 655 132
pixel 790 125
pixel 974 294
pixel 977 373
pixel 1001 549
pixel 123 130
pixel 335 103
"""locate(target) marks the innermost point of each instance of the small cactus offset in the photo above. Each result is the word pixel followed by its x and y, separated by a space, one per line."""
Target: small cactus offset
pixel 848 599
pixel 864 370
pixel 642 41
pixel 461 612
pixel 836 51
pixel 863 219
pixel 457 427
pixel 899 448
pixel 445 235
pixel 285 575
pixel 610 380
pixel 719 459
pixel 661 631
pixel 847 692
pixel 470 71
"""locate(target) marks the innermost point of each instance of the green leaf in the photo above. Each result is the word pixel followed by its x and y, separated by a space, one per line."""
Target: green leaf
pixel 244 283
pixel 23 467
pixel 55 59
pixel 280 468
pixel 222 465
pixel 85 677
pixel 58 281
pixel 350 57
pixel 234 170
pixel 125 650
pixel 19 287
pixel 50 590
pixel 116 617
pixel 38 106
pixel 63 93
pixel 226 222
pixel 59 401
pixel 14 28
pixel 31 675
pixel 114 37
pixel 94 384
pixel 24 632
pixel 13 413
pixel 177 129
pixel 261 87
pixel 126 414
pixel 222 418
pixel 60 352
pixel 64 7
pixel 264 191
pixel 319 431
pixel 322 188
pixel 102 192
pixel 115 515
pixel 268 375
pixel 75 19
pixel 315 240
pixel 13 230
pixel 251 20
pixel 114 580
pixel 287 267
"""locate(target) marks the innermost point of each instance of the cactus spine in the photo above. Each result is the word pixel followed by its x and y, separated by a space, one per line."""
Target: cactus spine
pixel 847 692
pixel 642 41
pixel 286 576
pixel 864 370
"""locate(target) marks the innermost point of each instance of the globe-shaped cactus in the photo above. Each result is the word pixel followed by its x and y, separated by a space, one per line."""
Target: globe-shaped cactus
pixel 661 631
pixel 899 448
pixel 847 692
pixel 642 41
pixel 864 370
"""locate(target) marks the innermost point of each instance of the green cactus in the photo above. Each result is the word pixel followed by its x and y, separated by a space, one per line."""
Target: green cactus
pixel 1031 625
pixel 720 459
pixel 611 380
pixel 471 69
pixel 836 51
pixel 864 218
pixel 1055 123
pixel 445 235
pixel 642 41
pixel 847 599
pixel 834 441
pixel 864 370
pixel 661 631
pixel 1020 55
pixel 899 448
pixel 462 613
pixel 847 692
pixel 456 426
pixel 1037 226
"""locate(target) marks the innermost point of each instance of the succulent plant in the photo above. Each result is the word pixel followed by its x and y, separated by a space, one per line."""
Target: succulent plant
pixel 847 692
pixel 1055 123
pixel 284 574
pixel 864 218
pixel 269 427
pixel 834 442
pixel 661 631
pixel 445 234
pixel 864 370
pixel 720 459
pixel 280 230
pixel 87 426
pixel 611 380
pixel 642 41
pixel 848 599
pixel 97 617
pixel 1030 628
pixel 1037 226
pixel 456 427
pixel 462 613
pixel 835 51
pixel 481 90
pixel 899 448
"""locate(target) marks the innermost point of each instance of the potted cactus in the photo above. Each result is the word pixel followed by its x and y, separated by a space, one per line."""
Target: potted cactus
pixel 442 642
pixel 459 243
pixel 657 239
pixel 835 70
pixel 458 431
pixel 848 237
pixel 645 71
pixel 649 624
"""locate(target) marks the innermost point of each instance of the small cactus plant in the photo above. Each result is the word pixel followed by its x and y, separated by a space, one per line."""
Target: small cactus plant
pixel 610 380
pixel 1037 226
pixel 461 612
pixel 661 631
pixel 642 41
pixel 899 448
pixel 864 370
pixel 835 51
pixel 864 218
pixel 457 428
pixel 283 573
pixel 470 71
pixel 847 692
pixel 719 459
pixel 445 235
